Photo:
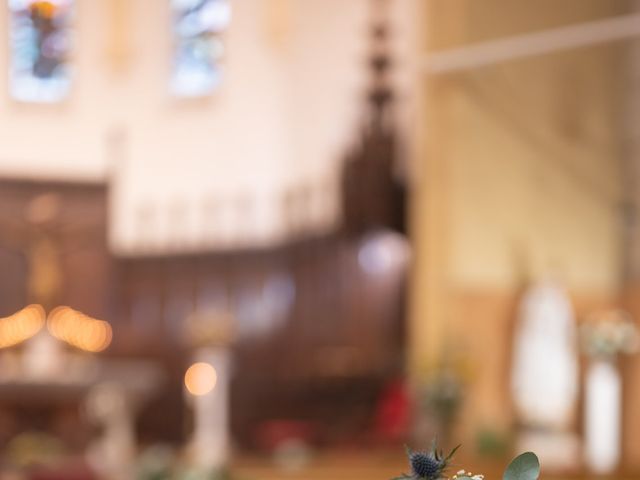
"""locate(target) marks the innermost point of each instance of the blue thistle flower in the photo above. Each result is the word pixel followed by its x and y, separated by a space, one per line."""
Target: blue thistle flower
pixel 427 465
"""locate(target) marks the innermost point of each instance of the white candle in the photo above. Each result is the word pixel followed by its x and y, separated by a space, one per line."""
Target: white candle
pixel 207 381
pixel 603 417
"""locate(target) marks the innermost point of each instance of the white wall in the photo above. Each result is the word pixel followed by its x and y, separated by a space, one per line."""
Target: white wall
pixel 63 140
pixel 288 107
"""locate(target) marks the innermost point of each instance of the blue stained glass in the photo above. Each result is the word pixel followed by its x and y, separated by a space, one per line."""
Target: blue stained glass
pixel 40 42
pixel 197 27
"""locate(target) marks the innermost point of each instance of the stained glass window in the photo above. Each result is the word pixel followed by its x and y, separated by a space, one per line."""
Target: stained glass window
pixel 198 26
pixel 40 40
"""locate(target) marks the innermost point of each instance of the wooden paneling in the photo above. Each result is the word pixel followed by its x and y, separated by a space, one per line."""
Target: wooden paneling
pixel 631 369
pixel 315 333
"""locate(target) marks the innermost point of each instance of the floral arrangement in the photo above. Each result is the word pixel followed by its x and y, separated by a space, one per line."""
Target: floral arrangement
pixel 433 465
pixel 610 333
pixel 443 390
pixel 443 395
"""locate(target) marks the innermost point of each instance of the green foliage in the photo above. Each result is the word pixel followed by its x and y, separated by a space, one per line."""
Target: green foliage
pixel 492 443
pixel 523 467
pixel 438 453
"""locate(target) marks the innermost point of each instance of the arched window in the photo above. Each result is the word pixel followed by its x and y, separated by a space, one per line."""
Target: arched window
pixel 198 26
pixel 40 40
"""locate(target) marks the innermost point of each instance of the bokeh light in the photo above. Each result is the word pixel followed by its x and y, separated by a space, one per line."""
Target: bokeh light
pixel 79 330
pixel 21 326
pixel 200 378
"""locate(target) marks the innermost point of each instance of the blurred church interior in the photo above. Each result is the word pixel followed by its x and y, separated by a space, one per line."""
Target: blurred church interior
pixel 271 239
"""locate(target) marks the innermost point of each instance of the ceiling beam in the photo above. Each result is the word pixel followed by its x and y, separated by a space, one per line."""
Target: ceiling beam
pixel 530 44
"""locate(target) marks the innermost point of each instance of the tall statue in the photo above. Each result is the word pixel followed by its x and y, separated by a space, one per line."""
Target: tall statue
pixel 544 380
pixel 44 279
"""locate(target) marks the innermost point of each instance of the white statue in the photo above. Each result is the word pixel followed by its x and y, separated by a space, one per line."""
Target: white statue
pixel 112 454
pixel 545 368
pixel 544 379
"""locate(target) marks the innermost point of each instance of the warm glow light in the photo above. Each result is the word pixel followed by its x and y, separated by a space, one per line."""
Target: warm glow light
pixel 79 330
pixel 21 326
pixel 200 378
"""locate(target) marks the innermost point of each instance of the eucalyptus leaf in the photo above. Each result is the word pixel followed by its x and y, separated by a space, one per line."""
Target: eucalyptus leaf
pixel 523 467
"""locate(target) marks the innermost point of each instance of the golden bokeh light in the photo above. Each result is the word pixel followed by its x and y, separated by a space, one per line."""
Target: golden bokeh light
pixel 79 330
pixel 200 378
pixel 21 326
